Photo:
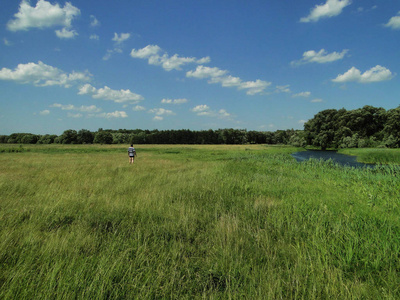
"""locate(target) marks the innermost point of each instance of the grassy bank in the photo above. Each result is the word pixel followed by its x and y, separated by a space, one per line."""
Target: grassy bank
pixel 374 155
pixel 189 222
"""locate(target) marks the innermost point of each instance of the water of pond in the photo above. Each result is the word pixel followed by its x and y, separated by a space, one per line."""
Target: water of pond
pixel 342 159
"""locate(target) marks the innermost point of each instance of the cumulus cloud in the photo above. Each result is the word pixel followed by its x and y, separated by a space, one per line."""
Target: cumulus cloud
pixel 121 37
pixel 41 74
pixel 118 96
pixel 138 108
pixel 76 116
pixel 160 113
pixel 283 89
pixel 146 52
pixel 375 74
pixel 45 15
pixel 66 33
pixel 91 111
pixel 44 112
pixel 7 42
pixel 205 110
pixel 174 101
pixel 217 75
pixel 321 57
pixel 394 22
pixel 302 94
pixel 111 52
pixel 206 72
pixel 83 108
pixel 111 115
pixel 94 22
pixel 330 8
pixel 156 56
pixel 94 37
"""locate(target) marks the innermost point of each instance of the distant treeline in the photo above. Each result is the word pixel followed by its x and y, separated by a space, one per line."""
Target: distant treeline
pixel 139 136
pixel 364 127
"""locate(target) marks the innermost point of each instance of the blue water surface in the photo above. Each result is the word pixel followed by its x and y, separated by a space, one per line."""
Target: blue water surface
pixel 342 159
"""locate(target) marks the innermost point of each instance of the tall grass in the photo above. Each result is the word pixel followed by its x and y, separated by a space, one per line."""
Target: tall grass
pixel 375 155
pixel 189 222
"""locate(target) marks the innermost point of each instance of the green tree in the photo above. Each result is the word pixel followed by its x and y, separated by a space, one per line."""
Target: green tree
pixel 103 137
pixel 69 136
pixel 85 136
pixel 29 139
pixel 3 139
pixel 320 131
pixel 47 139
pixel 391 129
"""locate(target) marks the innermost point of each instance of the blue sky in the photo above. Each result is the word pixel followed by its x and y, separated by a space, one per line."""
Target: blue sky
pixel 259 65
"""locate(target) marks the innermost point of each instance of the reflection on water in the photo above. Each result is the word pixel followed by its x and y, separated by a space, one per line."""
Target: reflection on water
pixel 342 159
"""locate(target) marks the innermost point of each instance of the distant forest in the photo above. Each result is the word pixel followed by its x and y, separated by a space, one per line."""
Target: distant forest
pixel 365 127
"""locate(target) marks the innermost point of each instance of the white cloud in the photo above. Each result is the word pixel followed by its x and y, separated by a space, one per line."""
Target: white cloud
pixel 94 37
pixel 161 111
pixel 93 21
pixel 283 89
pixel 83 108
pixel 227 81
pixel 394 22
pixel 317 100
pixel 44 112
pixel 66 33
pixel 320 57
pixel 138 108
pixel 146 52
pixel 111 52
pixel 331 8
pixel 44 15
pixel 205 110
pixel 254 87
pixel 302 121
pixel 121 38
pixel 222 113
pixel 41 74
pixel 112 115
pixel 200 108
pixel 174 101
pixel 118 96
pixel 363 10
pixel 375 74
pixel 76 116
pixel 302 94
pixel 206 72
pixel 91 110
pixel 7 42
pixel 156 56
pixel 217 75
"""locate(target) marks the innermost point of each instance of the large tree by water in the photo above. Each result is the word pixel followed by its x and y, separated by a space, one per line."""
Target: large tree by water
pixel 363 127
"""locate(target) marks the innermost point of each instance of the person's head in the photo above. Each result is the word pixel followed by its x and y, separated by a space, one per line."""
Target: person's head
pixel 131 145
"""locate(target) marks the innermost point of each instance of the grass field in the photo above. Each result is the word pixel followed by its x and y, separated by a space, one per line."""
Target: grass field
pixel 187 222
pixel 374 155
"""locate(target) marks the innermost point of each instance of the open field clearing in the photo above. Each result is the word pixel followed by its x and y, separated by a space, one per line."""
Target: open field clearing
pixel 189 221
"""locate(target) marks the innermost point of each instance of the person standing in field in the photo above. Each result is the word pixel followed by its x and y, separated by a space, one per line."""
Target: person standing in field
pixel 131 154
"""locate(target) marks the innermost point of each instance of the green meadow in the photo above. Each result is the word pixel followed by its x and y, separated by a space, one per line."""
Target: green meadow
pixel 193 222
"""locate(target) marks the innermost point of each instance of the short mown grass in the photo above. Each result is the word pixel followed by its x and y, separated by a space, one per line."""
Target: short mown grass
pixel 187 222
